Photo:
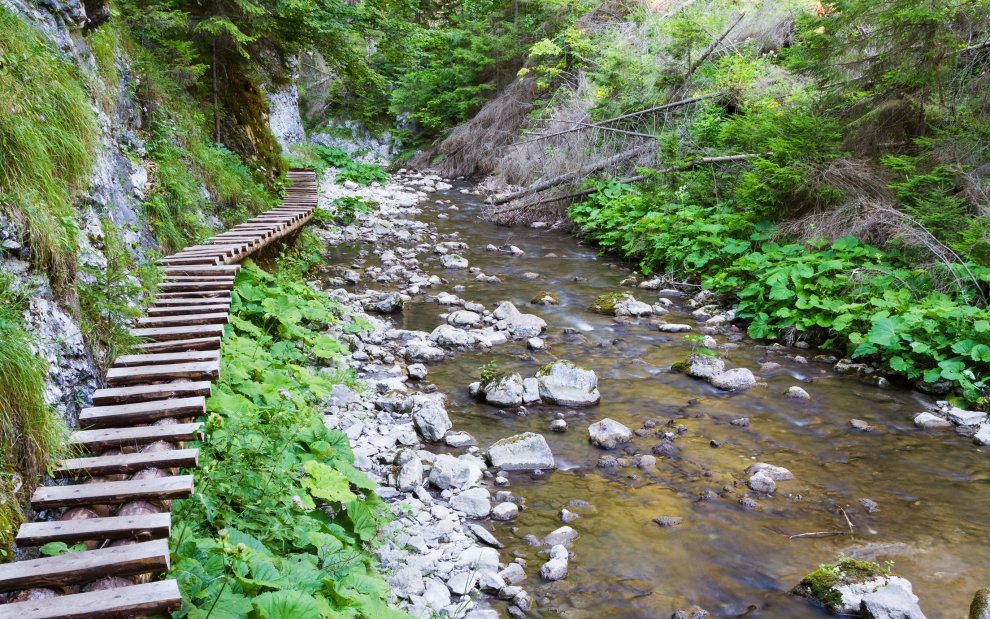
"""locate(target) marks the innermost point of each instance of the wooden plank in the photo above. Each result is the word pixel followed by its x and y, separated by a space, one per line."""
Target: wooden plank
pixel 191 356
pixel 214 295
pixel 190 260
pixel 214 318
pixel 178 310
pixel 205 279
pixel 186 301
pixel 202 270
pixel 76 568
pixel 143 393
pixel 161 334
pixel 134 375
pixel 144 600
pixel 147 526
pixel 113 492
pixel 196 343
pixel 114 438
pixel 125 464
pixel 141 412
pixel 195 286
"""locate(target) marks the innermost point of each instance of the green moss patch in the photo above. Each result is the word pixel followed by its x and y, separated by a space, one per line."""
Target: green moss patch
pixel 606 303
pixel 821 584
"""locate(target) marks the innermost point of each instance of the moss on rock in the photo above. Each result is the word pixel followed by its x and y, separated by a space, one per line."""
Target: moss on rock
pixel 822 584
pixel 980 608
pixel 606 303
pixel 545 297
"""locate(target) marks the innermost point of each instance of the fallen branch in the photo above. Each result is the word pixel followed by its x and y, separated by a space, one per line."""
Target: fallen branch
pixel 585 125
pixel 817 534
pixel 640 177
pixel 579 173
pixel 649 110
pixel 711 48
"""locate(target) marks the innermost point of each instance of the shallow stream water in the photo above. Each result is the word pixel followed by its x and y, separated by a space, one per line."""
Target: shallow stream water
pixel 932 489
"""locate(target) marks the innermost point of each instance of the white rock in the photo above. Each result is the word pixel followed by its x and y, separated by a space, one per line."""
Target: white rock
pixel 504 390
pixel 449 472
pixel 513 573
pixel 762 483
pixel 670 327
pixel 734 379
pixel 608 433
pixel 531 391
pixel 464 318
pixel 407 582
pixel 962 417
pixel 428 414
pixel 776 473
pixel 797 393
pixel 535 343
pixel 928 421
pixel 475 503
pixel 565 384
pixel 410 475
pixel 564 536
pixel 521 452
pixel 449 336
pixel 982 436
pixel 505 511
pixel 556 567
pixel 453 261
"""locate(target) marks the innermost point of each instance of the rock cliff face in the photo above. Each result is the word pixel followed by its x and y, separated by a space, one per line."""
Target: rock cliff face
pixel 114 191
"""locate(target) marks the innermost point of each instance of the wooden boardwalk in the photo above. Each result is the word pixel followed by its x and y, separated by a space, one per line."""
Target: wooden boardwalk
pixel 119 496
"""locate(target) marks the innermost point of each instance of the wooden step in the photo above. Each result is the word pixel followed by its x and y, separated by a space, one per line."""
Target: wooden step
pixel 190 260
pixel 216 318
pixel 117 438
pixel 144 600
pixel 179 310
pixel 191 356
pixel 202 279
pixel 161 334
pixel 195 286
pixel 143 393
pixel 77 568
pixel 187 301
pixel 134 375
pixel 201 270
pixel 144 527
pixel 214 295
pixel 141 413
pixel 196 343
pixel 125 464
pixel 113 492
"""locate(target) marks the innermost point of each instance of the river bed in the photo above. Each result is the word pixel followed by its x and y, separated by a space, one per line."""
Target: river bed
pixel 932 489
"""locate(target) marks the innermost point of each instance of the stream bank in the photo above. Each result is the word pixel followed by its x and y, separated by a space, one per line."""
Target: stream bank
pixel 667 520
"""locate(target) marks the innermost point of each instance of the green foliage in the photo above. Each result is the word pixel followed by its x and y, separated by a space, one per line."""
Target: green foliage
pixel 346 208
pixel 488 371
pixel 281 520
pixel 822 583
pixel 47 133
pixel 110 297
pixel 846 294
pixel 361 173
pixel 32 436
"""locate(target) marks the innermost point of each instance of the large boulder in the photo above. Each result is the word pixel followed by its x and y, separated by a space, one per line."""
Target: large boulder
pixel 422 352
pixel 608 433
pixel 474 503
pixel 700 366
pixel 464 318
pixel 564 383
pixel 449 336
pixel 606 304
pixel 505 390
pixel 453 473
pixel 521 452
pixel 453 261
pixel 518 324
pixel 428 414
pixel 860 588
pixel 735 379
pixel 980 608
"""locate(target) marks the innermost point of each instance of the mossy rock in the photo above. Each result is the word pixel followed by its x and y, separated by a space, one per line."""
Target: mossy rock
pixel 980 608
pixel 545 297
pixel 821 584
pixel 606 303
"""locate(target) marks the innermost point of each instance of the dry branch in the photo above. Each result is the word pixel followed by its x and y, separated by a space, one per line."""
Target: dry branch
pixel 649 110
pixel 576 174
pixel 711 48
pixel 632 179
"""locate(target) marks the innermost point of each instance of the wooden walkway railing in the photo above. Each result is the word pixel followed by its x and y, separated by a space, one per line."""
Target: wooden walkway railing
pixel 120 496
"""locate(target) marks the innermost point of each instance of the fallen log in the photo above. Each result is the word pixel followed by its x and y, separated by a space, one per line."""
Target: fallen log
pixel 579 173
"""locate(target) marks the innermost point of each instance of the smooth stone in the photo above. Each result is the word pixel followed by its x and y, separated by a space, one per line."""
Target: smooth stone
pixel 776 473
pixel 608 433
pixel 797 393
pixel 505 511
pixel 734 379
pixel 564 383
pixel 474 502
pixel 522 452
pixel 449 472
pixel 564 536
pixel 929 421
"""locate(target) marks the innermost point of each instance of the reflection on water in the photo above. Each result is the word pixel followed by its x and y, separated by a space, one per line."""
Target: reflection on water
pixel 933 492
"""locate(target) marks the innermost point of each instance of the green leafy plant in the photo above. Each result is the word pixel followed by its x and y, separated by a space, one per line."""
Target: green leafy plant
pixel 346 208
pixel 281 522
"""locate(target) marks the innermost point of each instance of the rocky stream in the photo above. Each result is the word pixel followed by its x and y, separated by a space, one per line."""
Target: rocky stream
pixel 543 459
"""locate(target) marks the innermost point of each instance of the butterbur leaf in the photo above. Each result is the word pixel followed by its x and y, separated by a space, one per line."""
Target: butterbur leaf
pixel 980 352
pixel 883 333
pixel 286 604
pixel 325 482
pixel 326 347
pixel 363 520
